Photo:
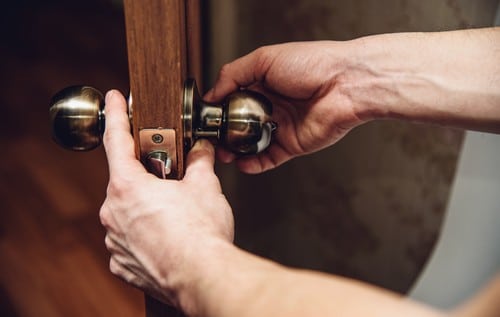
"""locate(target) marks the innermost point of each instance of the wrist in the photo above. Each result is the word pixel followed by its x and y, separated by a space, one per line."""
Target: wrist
pixel 221 274
pixel 379 72
pixel 200 266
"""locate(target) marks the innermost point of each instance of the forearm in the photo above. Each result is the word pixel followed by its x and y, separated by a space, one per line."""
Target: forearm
pixel 232 282
pixel 448 78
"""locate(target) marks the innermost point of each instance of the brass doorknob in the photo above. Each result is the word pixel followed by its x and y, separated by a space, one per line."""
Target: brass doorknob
pixel 242 122
pixel 77 117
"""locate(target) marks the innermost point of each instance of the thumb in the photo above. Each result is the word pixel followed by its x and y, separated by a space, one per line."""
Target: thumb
pixel 200 164
pixel 118 141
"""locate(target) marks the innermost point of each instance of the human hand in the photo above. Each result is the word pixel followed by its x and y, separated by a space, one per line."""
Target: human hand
pixel 155 227
pixel 305 84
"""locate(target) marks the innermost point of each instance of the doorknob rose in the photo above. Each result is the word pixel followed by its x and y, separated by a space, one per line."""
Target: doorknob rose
pixel 242 122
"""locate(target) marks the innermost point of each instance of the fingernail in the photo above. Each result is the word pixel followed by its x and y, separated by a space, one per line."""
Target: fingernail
pixel 200 144
pixel 109 95
pixel 203 145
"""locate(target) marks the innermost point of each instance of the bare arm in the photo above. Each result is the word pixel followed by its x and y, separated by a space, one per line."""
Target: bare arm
pixel 236 283
pixel 447 78
pixel 322 90
pixel 173 238
pixel 484 304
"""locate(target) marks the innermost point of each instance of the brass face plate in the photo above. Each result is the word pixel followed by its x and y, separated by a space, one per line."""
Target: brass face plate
pixel 154 140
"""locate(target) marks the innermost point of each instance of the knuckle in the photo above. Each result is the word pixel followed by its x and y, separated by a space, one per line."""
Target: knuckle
pixel 118 187
pixel 202 153
pixel 108 243
pixel 225 71
pixel 104 215
pixel 108 136
pixel 114 267
pixel 263 58
pixel 120 271
pixel 260 52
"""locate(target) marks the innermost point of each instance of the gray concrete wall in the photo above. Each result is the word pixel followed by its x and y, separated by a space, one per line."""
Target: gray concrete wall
pixel 467 254
pixel 371 206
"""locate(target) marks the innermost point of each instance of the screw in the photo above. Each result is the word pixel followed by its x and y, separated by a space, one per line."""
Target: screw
pixel 157 138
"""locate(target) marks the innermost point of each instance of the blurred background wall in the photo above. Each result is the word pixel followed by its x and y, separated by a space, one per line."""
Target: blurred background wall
pixel 52 258
pixel 369 207
pixel 467 254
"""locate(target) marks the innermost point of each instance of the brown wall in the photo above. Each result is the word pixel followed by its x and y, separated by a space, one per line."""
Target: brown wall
pixel 371 206
pixel 53 262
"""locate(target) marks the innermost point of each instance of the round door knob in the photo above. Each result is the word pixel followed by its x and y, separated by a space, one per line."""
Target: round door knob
pixel 77 118
pixel 242 122
pixel 248 126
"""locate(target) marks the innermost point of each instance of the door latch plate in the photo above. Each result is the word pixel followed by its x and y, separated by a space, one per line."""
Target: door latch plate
pixel 159 141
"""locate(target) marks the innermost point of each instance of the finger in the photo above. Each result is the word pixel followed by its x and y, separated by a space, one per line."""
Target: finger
pixel 122 271
pixel 135 274
pixel 274 156
pixel 128 267
pixel 115 245
pixel 200 164
pixel 224 155
pixel 242 72
pixel 135 277
pixel 117 139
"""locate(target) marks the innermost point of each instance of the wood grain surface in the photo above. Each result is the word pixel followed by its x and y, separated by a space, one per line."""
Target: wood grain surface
pixel 157 50
pixel 156 44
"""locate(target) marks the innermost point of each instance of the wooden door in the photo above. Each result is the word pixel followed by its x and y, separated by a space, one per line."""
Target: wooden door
pixel 163 49
pixel 163 40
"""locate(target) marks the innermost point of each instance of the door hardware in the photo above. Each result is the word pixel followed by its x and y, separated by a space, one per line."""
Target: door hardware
pixel 158 151
pixel 242 123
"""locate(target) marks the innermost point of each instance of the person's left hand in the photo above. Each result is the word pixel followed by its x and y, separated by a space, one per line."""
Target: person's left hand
pixel 156 227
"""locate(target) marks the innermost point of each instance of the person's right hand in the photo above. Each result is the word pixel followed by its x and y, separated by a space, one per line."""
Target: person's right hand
pixel 305 82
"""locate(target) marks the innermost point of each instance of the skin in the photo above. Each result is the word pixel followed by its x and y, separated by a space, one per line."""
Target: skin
pixel 322 90
pixel 173 239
